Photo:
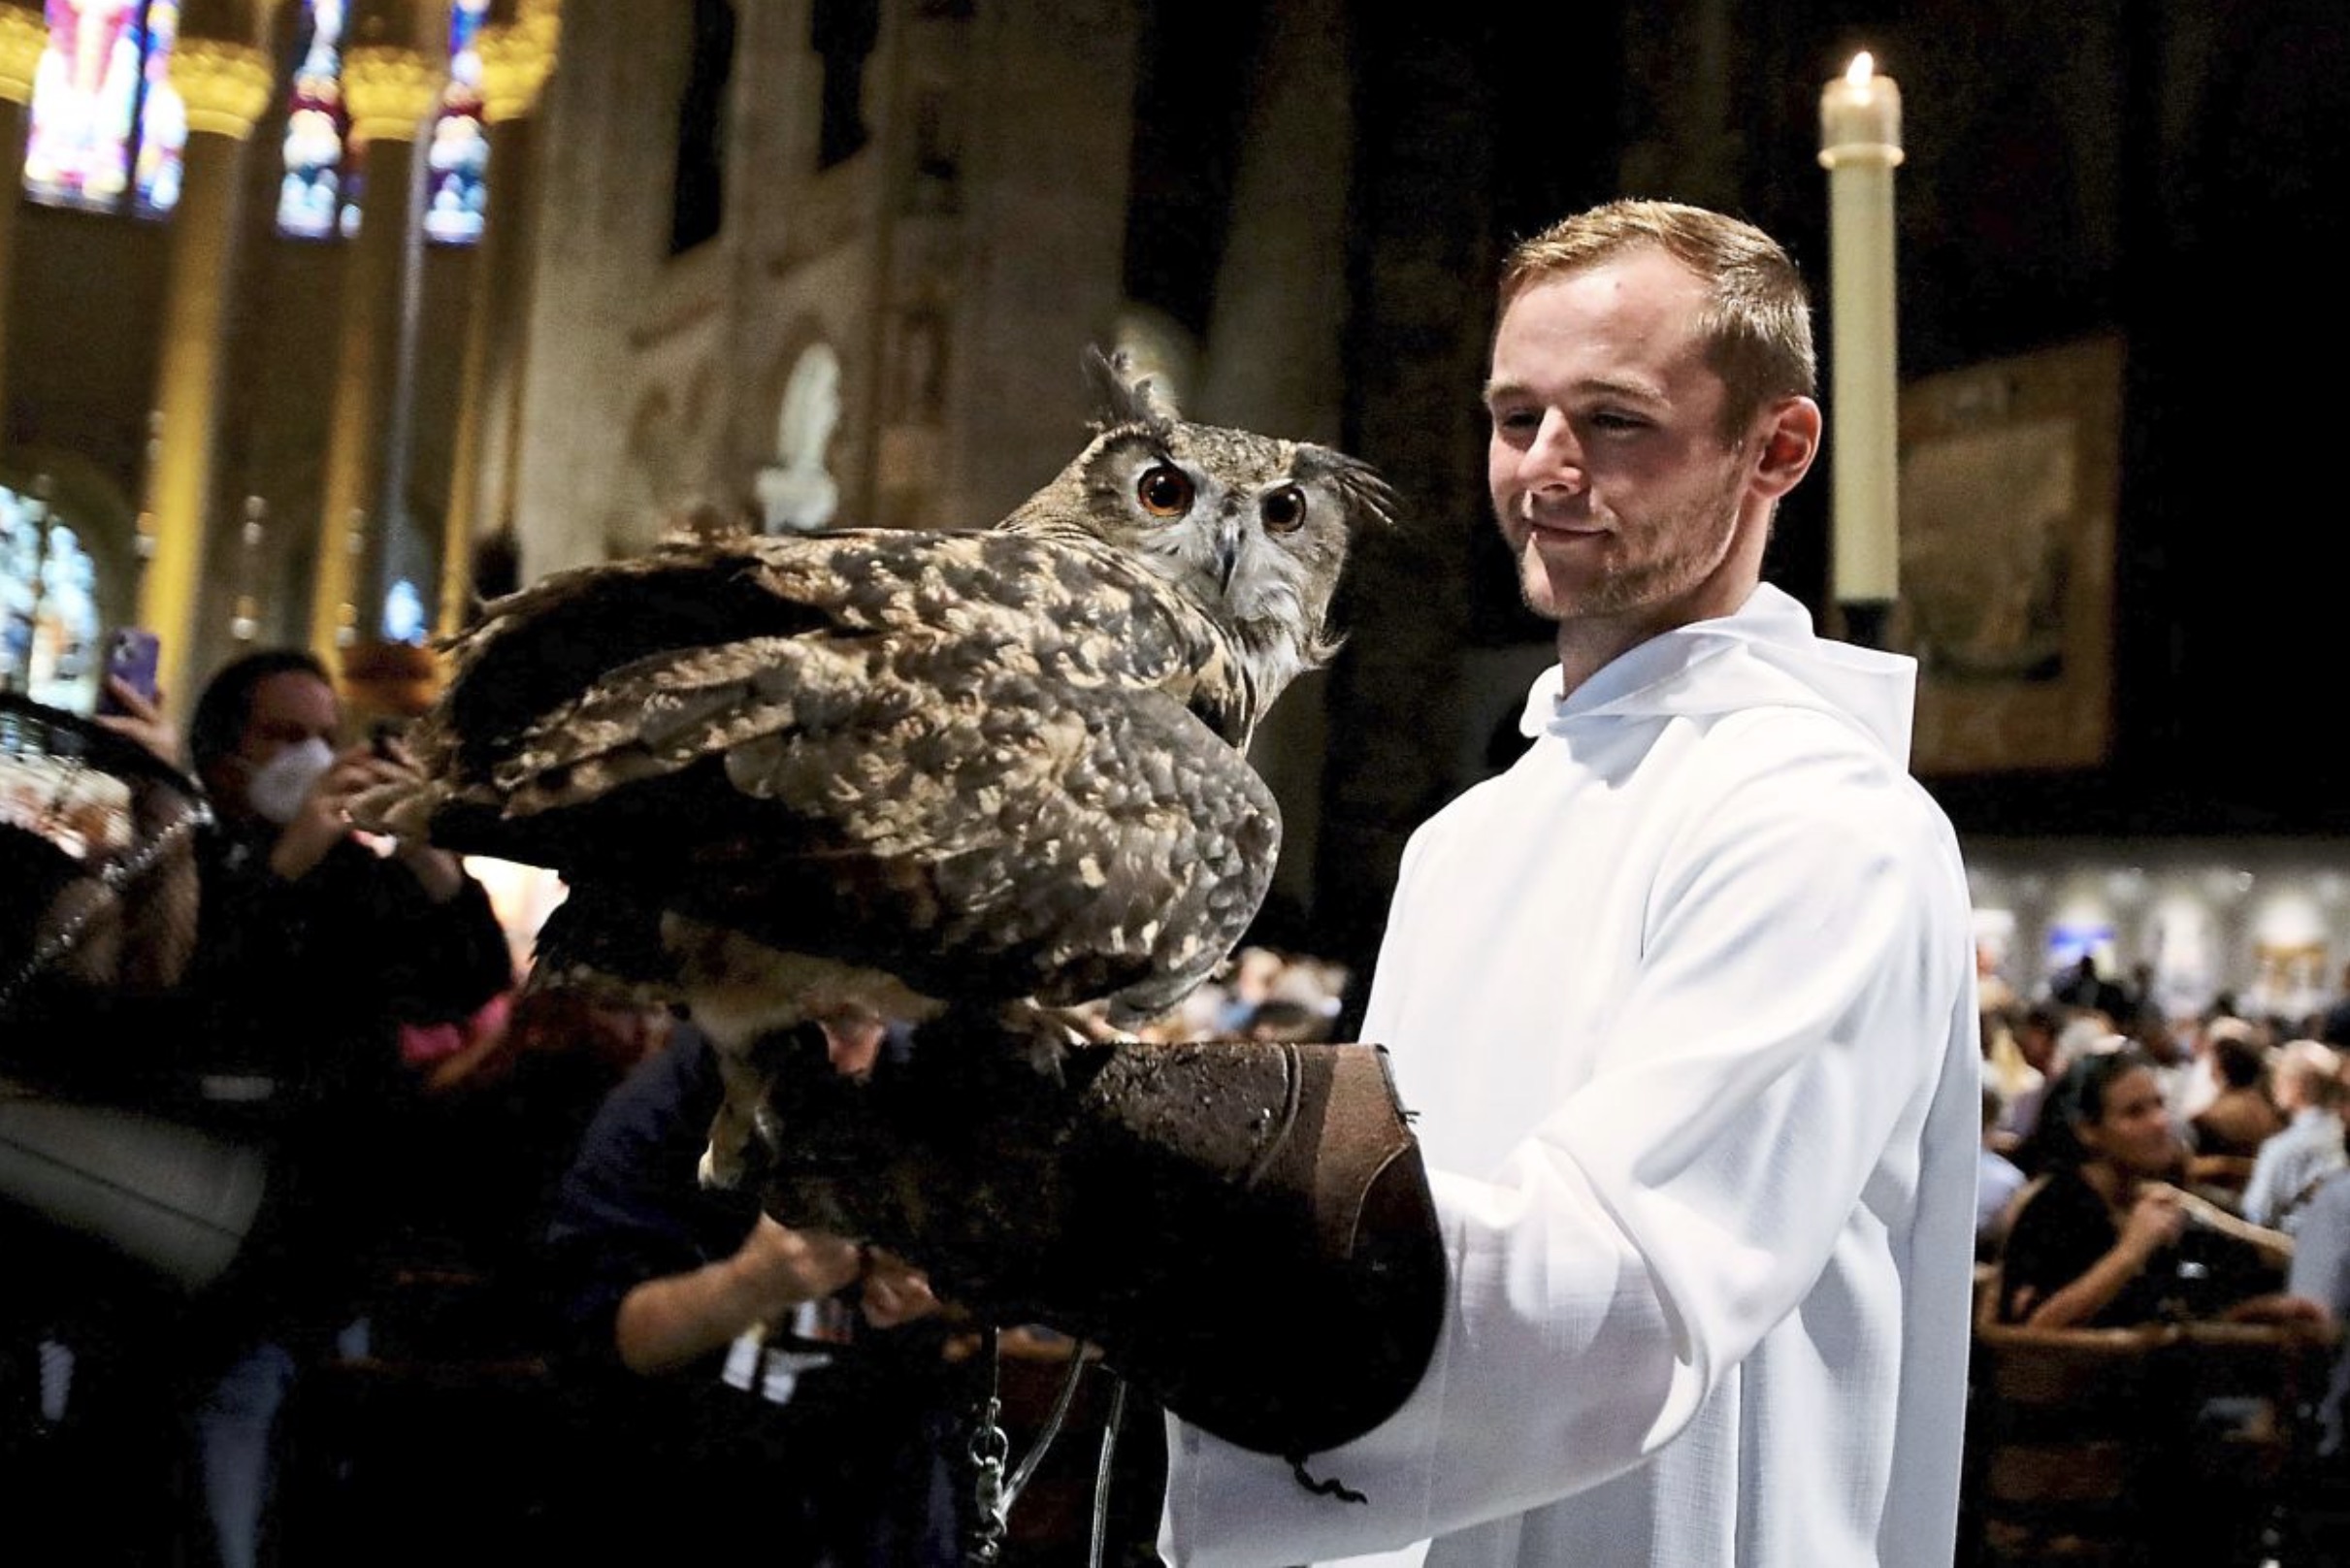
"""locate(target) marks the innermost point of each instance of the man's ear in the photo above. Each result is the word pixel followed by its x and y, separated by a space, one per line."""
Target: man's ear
pixel 1790 440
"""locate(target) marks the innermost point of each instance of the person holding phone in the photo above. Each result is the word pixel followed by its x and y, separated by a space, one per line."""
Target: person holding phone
pixel 312 949
pixel 130 702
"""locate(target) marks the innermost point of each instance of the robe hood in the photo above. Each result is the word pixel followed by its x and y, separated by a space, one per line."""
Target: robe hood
pixel 1766 654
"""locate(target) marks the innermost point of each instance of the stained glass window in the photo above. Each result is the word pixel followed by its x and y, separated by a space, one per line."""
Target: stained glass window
pixel 317 198
pixel 106 122
pixel 48 605
pixel 458 158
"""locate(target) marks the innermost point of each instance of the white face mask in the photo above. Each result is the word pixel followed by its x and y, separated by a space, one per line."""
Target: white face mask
pixel 279 786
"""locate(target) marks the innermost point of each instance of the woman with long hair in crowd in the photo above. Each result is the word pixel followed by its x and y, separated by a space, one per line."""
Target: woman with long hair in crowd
pixel 2104 1238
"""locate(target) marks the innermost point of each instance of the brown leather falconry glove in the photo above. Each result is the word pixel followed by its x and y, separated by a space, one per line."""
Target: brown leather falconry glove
pixel 1245 1229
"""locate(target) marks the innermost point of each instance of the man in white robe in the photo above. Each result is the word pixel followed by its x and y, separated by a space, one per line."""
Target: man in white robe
pixel 1683 1003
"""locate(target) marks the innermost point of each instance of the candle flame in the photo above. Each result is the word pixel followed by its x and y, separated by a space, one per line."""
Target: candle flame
pixel 1862 68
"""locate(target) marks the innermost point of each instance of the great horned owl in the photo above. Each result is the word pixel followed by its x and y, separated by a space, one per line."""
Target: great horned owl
pixel 892 772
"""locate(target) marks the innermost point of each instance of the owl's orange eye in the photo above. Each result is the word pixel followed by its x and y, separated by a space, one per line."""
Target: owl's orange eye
pixel 1164 490
pixel 1284 510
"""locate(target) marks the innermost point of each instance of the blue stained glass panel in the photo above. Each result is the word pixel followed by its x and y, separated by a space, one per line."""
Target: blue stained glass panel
pixel 315 196
pixel 457 161
pixel 162 115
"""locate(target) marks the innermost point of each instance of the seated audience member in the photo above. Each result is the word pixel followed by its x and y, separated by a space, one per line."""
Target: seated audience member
pixel 2169 1042
pixel 1996 1181
pixel 2289 1165
pixel 750 1382
pixel 2321 1273
pixel 2101 1238
pixel 2003 1066
pixel 2242 1115
pixel 2034 1033
pixel 2185 1074
pixel 2078 1035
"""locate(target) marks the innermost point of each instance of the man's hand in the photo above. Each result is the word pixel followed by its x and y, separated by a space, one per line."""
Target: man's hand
pixel 141 722
pixel 325 819
pixel 895 1291
pixel 667 1322
pixel 782 1267
pixel 777 1267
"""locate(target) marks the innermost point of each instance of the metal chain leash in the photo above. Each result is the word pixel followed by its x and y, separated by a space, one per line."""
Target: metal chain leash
pixel 993 1492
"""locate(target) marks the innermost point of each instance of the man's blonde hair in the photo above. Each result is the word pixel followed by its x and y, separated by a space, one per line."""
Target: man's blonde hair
pixel 1757 322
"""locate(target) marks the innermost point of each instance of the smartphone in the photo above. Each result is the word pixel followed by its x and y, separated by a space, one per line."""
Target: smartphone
pixel 381 734
pixel 130 657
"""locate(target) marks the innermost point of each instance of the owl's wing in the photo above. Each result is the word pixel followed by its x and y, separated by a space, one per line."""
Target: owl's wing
pixel 538 659
pixel 971 759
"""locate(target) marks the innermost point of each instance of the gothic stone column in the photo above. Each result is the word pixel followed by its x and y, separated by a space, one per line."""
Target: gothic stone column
pixel 391 87
pixel 517 57
pixel 225 84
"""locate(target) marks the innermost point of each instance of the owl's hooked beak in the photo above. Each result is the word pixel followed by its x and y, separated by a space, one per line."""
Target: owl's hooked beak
pixel 1228 551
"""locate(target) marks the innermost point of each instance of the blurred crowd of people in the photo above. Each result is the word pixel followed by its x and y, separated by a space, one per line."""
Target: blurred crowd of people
pixel 2250 1109
pixel 2140 1171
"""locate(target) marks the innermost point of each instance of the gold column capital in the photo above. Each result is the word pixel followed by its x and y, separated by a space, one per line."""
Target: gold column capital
pixel 516 61
pixel 390 89
pixel 24 35
pixel 224 85
pixel 231 21
pixel 542 19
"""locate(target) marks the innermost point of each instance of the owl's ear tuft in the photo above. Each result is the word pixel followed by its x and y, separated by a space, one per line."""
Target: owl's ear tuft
pixel 1368 496
pixel 1122 396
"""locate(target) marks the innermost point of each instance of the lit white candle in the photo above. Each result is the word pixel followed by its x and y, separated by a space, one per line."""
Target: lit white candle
pixel 1859 146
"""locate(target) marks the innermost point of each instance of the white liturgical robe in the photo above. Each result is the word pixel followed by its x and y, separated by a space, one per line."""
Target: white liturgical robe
pixel 1684 1005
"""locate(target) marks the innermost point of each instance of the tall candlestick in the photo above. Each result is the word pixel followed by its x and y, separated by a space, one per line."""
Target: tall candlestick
pixel 1859 146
